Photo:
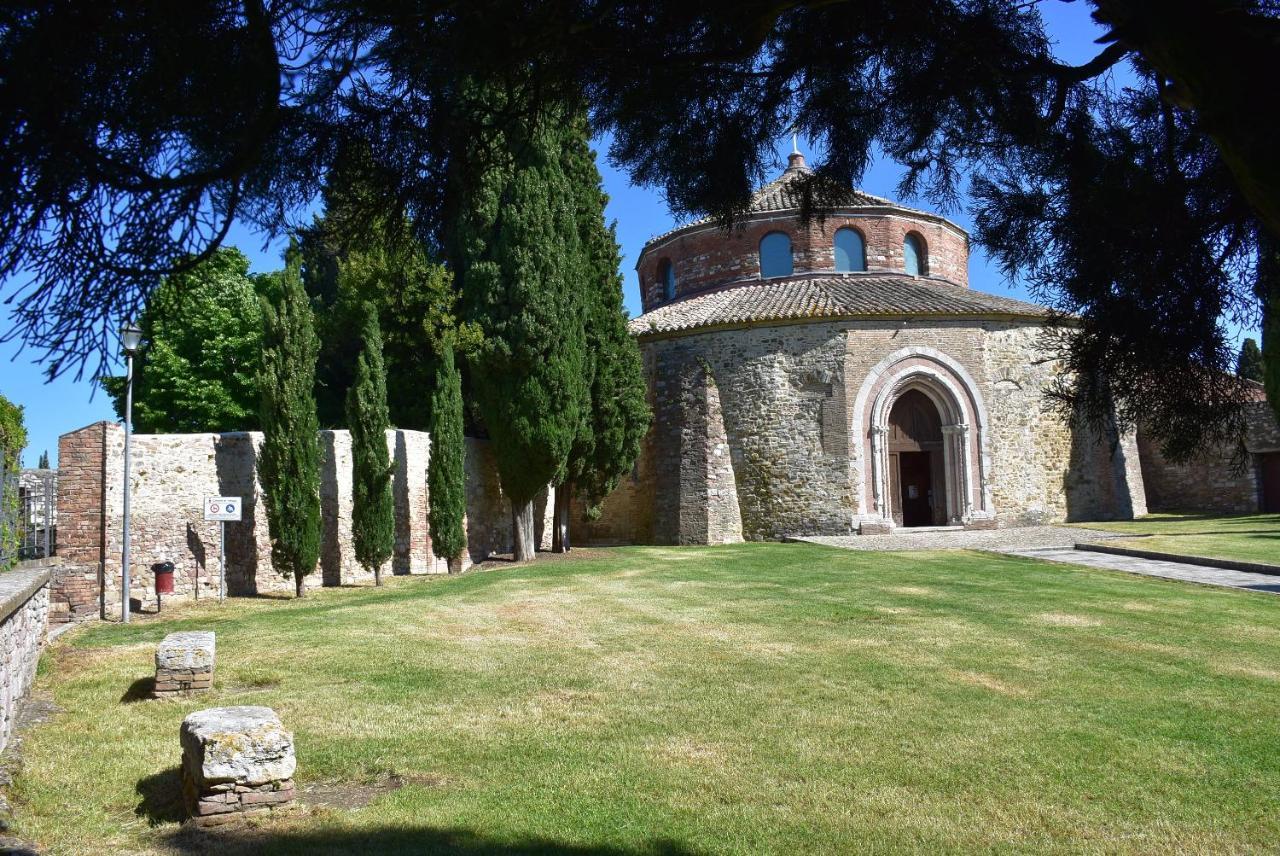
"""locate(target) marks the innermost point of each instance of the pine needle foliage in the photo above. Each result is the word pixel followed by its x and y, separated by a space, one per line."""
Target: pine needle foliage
pixel 446 479
pixel 289 462
pixel 373 521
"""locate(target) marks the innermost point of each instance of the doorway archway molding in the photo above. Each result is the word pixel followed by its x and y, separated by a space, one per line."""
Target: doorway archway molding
pixel 966 460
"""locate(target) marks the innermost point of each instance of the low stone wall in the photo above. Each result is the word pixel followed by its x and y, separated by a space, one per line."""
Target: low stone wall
pixel 24 610
pixel 171 474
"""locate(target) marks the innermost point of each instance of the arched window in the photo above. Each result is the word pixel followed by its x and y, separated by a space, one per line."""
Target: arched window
pixel 851 253
pixel 775 255
pixel 913 257
pixel 667 271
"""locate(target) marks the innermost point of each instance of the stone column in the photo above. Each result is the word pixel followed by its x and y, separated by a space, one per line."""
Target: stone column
pixel 955 455
pixel 881 504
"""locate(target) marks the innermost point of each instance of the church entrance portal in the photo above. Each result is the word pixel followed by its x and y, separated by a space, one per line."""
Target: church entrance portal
pixel 917 477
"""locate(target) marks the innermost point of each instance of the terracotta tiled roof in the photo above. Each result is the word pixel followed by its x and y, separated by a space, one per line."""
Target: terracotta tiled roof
pixel 825 297
pixel 783 194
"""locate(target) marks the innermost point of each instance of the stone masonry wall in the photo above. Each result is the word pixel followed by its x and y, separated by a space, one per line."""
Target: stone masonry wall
pixel 1042 470
pixel 787 392
pixel 780 393
pixel 1223 480
pixel 1214 482
pixel 172 474
pixel 24 610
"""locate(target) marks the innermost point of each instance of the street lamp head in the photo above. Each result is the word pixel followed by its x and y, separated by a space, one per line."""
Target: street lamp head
pixel 131 338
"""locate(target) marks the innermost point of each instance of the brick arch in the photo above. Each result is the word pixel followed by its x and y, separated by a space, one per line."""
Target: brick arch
pixel 955 394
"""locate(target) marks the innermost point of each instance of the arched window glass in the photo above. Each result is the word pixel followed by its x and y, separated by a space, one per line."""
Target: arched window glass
pixel 851 255
pixel 913 255
pixel 775 255
pixel 668 274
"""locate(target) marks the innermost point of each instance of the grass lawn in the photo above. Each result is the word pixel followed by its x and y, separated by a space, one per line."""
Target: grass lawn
pixel 1246 538
pixel 764 698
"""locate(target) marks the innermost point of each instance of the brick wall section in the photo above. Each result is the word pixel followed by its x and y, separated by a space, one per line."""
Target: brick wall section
pixel 171 476
pixel 709 256
pixel 24 609
pixel 80 500
pixel 75 591
pixel 1220 480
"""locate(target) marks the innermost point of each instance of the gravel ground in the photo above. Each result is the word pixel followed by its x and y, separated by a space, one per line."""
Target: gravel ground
pixel 1002 540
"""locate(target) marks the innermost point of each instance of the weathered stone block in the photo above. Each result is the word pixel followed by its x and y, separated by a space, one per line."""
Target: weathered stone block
pixel 236 759
pixel 184 662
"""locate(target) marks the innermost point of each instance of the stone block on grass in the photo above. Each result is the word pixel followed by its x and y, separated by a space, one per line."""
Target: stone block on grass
pixel 235 760
pixel 184 663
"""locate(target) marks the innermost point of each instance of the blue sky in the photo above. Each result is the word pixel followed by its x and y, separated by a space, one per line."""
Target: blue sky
pixel 55 408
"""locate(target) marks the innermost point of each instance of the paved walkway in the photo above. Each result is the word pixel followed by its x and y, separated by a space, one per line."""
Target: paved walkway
pixel 1156 568
pixel 1002 540
pixel 1054 544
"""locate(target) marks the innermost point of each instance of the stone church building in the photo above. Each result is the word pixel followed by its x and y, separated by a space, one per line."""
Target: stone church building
pixel 838 376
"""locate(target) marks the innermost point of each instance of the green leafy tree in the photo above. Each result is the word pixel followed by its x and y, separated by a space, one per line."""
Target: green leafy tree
pixel 200 369
pixel 13 439
pixel 44 461
pixel 618 416
pixel 361 252
pixel 446 480
pixel 289 462
pixel 1249 363
pixel 517 253
pixel 373 521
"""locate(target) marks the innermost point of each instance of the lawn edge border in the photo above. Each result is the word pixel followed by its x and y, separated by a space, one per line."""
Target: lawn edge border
pixel 1203 561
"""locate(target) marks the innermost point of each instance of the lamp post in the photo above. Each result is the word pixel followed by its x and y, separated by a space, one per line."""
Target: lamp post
pixel 131 343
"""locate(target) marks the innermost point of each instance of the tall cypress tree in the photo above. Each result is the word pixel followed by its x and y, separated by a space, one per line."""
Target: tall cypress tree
pixel 445 477
pixel 289 463
pixel 516 250
pixel 615 422
pixel 1249 363
pixel 373 522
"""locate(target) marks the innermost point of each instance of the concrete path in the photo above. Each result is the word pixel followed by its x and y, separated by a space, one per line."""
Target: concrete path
pixel 1002 540
pixel 1051 543
pixel 1155 568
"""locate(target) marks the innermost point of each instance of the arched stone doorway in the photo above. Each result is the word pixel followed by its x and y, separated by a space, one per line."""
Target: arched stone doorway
pixel 918 400
pixel 917 476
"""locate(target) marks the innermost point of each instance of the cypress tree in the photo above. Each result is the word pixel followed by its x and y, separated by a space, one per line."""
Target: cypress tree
pixel 516 250
pixel 289 463
pixel 445 478
pixel 373 523
pixel 615 422
pixel 1249 363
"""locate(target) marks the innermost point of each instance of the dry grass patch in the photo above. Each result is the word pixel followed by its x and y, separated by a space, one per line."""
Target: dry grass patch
pixel 1064 619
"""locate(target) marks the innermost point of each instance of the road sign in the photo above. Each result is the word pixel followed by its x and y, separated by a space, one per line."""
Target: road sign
pixel 224 508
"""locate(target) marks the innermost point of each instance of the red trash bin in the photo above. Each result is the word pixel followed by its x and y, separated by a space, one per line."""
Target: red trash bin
pixel 164 577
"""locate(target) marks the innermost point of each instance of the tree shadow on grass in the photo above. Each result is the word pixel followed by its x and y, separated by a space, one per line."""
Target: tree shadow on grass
pixel 161 797
pixel 139 690
pixel 391 840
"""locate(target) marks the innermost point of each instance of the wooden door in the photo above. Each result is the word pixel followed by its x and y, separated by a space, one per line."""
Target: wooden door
pixel 915 482
pixel 1269 465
